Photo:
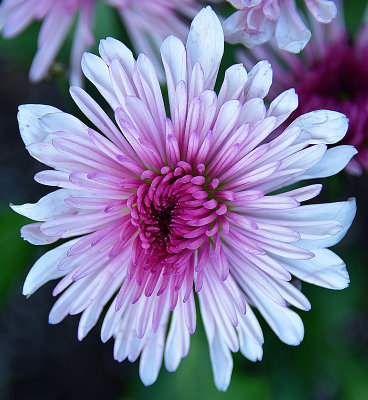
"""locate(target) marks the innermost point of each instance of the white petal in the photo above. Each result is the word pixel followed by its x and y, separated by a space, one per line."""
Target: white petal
pixel 226 120
pixel 305 159
pixel 253 110
pixel 97 116
pixel 151 357
pixel 108 283
pixel 344 212
pixel 304 193
pixel 83 39
pixel 322 126
pixel 240 3
pixel 48 207
pixel 283 105
pixel 205 44
pixel 152 91
pixel 15 16
pixel 52 34
pixel 61 121
pixel 323 10
pixel 237 30
pixel 249 325
pixel 113 318
pixel 174 60
pixel 259 81
pixel 66 301
pixel 32 234
pixel 235 79
pixel 287 325
pixel 28 120
pixel 334 160
pixel 291 34
pixel 46 153
pixel 326 269
pixel 112 49
pixel 222 363
pixel 46 268
pixel 54 178
pixel 249 348
pixel 89 319
pixel 250 336
pixel 292 295
pixel 177 342
pixel 96 70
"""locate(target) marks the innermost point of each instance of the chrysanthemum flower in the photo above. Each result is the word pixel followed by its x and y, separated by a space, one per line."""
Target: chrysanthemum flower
pixel 257 21
pixel 160 207
pixel 332 72
pixel 148 23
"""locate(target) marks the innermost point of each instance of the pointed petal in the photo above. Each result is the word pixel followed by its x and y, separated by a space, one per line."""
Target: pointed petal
pixel 205 44
pixel 46 268
pixel 29 124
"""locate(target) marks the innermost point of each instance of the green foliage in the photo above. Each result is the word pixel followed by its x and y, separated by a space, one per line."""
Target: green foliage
pixel 15 253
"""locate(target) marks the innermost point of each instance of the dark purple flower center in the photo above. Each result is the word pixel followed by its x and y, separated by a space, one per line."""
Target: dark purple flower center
pixel 342 74
pixel 163 216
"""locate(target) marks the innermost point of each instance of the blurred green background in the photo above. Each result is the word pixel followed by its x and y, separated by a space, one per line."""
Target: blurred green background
pixel 39 361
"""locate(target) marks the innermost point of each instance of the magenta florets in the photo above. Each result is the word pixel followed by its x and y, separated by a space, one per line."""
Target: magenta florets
pixel 175 212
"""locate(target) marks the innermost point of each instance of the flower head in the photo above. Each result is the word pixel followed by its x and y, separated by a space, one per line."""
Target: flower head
pixel 332 72
pixel 160 207
pixel 148 23
pixel 257 21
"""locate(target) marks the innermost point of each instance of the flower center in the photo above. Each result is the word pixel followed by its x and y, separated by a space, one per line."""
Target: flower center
pixel 341 74
pixel 163 216
pixel 176 211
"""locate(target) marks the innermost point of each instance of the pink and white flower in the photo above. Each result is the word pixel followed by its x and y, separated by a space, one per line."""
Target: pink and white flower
pixel 148 22
pixel 332 72
pixel 257 21
pixel 157 207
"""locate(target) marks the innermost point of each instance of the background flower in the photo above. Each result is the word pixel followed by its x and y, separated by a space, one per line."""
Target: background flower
pixel 182 203
pixel 258 21
pixel 331 73
pixel 148 23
